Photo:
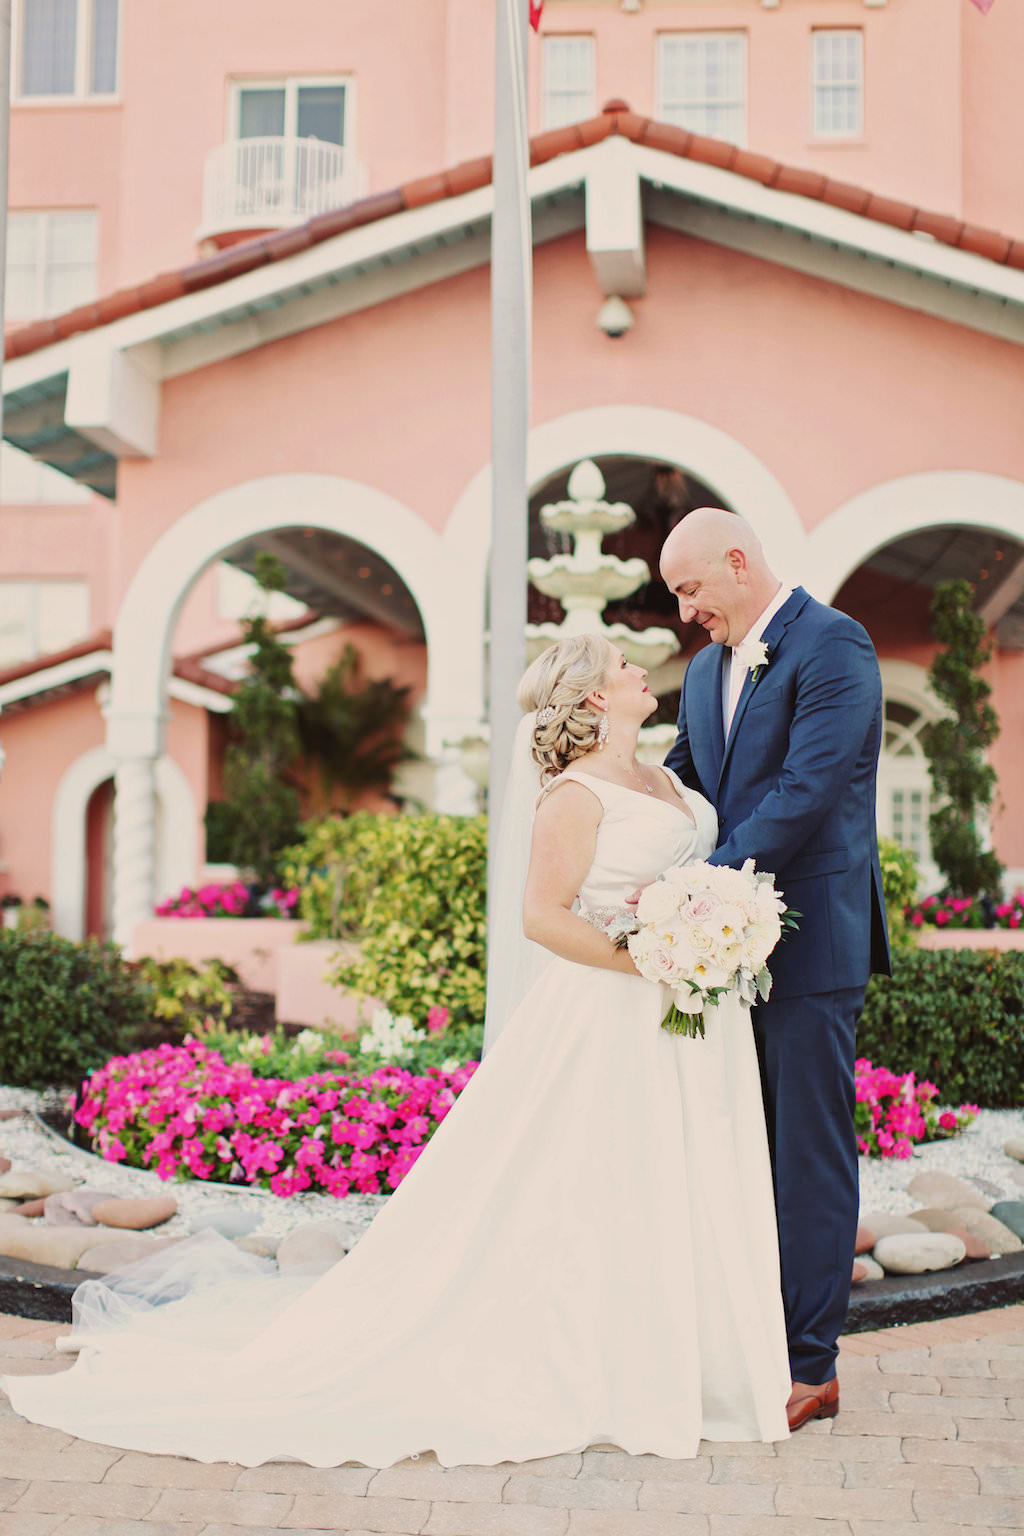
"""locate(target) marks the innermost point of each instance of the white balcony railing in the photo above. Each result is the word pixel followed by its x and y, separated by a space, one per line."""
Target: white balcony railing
pixel 269 183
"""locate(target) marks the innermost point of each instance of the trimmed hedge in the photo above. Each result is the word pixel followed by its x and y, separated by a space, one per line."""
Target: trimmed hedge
pixel 955 1016
pixel 64 1007
pixel 413 891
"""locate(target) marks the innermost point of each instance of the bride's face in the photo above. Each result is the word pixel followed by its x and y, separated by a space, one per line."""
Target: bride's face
pixel 625 691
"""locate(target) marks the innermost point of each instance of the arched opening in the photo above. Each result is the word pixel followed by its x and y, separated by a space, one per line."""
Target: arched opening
pixel 890 594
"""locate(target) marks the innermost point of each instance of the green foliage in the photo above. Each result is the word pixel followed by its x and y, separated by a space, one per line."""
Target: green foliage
pixel 442 1050
pixel 899 882
pixel 413 891
pixel 954 1016
pixel 64 1007
pixel 185 994
pixel 277 1053
pixel 351 731
pixel 261 811
pixel 964 782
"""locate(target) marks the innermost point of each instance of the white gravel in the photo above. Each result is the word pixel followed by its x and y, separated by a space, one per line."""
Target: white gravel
pixel 976 1155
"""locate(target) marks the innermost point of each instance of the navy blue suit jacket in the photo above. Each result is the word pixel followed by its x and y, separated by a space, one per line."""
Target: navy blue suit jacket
pixel 794 787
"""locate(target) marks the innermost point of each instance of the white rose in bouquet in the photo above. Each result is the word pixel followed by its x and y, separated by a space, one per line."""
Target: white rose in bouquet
pixel 658 903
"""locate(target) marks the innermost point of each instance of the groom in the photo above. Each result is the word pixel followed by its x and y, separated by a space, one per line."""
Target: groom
pixel 780 723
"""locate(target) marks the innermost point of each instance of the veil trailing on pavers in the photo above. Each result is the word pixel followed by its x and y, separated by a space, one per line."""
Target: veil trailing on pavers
pixel 514 962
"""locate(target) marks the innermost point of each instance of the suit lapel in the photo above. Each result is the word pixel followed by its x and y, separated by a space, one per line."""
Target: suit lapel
pixel 772 637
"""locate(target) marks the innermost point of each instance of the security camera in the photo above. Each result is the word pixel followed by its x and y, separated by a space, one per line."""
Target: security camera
pixel 615 317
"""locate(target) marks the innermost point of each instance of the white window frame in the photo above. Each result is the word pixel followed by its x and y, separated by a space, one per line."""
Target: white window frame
pixel 725 32
pixel 291 84
pixel 82 95
pixel 549 42
pixel 44 215
pixel 835 135
pixel 32 621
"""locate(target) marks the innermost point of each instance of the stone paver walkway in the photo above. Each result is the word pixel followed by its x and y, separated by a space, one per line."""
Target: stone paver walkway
pixel 930 1441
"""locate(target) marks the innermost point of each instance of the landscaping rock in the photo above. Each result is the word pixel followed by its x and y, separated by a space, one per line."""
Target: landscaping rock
pixel 116 1252
pixel 9 1205
pixel 859 1273
pixel 1016 1175
pixel 919 1253
pixel 866 1240
pixel 32 1207
pixel 993 1233
pixel 73 1207
pixel 946 1192
pixel 885 1224
pixel 32 1184
pixel 135 1215
pixel 872 1269
pixel 229 1223
pixel 946 1221
pixel 314 1248
pixel 5 1164
pixel 1015 1148
pixel 40 1244
pixel 264 1245
pixel 986 1186
pixel 1011 1214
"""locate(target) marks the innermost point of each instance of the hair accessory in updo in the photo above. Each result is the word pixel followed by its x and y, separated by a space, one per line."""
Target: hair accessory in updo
pixel 546 715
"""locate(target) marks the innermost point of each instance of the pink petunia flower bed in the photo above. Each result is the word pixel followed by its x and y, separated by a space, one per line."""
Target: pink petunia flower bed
pixel 894 1111
pixel 185 1112
pixel 966 912
pixel 233 899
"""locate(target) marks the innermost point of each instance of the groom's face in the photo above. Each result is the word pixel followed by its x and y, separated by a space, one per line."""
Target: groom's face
pixel 709 593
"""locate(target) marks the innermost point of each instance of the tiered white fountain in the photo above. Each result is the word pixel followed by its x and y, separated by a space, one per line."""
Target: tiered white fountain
pixel 588 579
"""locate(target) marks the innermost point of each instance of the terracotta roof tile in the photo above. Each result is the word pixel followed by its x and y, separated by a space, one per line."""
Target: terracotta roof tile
pixel 886 210
pixel 755 167
pixel 102 640
pixel 667 137
pixel 615 118
pixel 940 225
pixel 840 194
pixel 428 189
pixel 712 152
pixel 984 242
pixel 789 178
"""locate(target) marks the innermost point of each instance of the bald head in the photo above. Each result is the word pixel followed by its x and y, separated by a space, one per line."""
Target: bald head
pixel 714 565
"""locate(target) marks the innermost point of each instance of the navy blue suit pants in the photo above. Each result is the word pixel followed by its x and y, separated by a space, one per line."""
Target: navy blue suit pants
pixel 806 1050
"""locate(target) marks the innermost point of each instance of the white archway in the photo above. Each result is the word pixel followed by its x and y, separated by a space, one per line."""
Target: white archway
pixel 175 841
pixel 143 635
pixel 940 498
pixel 641 431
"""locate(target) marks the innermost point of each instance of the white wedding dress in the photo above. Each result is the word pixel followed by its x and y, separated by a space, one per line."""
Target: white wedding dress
pixel 585 1253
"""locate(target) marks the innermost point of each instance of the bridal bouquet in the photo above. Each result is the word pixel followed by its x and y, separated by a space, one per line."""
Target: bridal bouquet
pixel 705 931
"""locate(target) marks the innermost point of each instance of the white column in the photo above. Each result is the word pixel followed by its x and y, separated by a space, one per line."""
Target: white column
pixel 134 846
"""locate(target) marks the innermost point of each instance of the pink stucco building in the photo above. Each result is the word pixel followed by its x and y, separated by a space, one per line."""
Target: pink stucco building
pixel 248 292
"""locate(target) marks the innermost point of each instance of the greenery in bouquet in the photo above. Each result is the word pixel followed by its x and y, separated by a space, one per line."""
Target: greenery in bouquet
pixel 895 1111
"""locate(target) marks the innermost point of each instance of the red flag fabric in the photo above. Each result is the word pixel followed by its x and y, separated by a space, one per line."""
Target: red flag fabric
pixel 984 6
pixel 536 6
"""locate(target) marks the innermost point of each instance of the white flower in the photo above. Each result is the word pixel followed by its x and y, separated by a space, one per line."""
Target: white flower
pixel 658 903
pixel 699 939
pixel 752 654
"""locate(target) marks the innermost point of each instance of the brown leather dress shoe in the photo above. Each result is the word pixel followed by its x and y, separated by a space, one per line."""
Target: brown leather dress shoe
pixel 817 1403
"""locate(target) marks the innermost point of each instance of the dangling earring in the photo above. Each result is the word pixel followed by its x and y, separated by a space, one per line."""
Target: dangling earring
pixel 602 731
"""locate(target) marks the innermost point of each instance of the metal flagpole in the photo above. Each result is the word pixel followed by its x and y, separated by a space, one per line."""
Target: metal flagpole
pixel 511 281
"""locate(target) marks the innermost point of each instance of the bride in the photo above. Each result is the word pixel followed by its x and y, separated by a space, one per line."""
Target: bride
pixel 585 1253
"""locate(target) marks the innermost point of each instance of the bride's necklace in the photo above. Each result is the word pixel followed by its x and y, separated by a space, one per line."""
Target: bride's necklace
pixel 635 773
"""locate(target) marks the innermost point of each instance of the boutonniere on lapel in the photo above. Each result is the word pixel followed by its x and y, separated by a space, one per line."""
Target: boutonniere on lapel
pixel 753 654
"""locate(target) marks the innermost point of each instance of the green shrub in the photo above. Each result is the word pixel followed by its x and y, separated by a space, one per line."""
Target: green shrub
pixel 413 891
pixel 64 1007
pixel 899 882
pixel 184 994
pixel 954 1016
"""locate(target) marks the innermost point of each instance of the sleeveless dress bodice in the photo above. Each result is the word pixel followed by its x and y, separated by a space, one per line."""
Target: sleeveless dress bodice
pixel 639 836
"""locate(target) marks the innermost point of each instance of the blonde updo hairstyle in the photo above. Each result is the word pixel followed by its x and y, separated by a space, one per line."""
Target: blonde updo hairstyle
pixel 560 680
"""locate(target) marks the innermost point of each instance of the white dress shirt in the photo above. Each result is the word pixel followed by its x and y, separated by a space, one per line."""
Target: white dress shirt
pixel 734 672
